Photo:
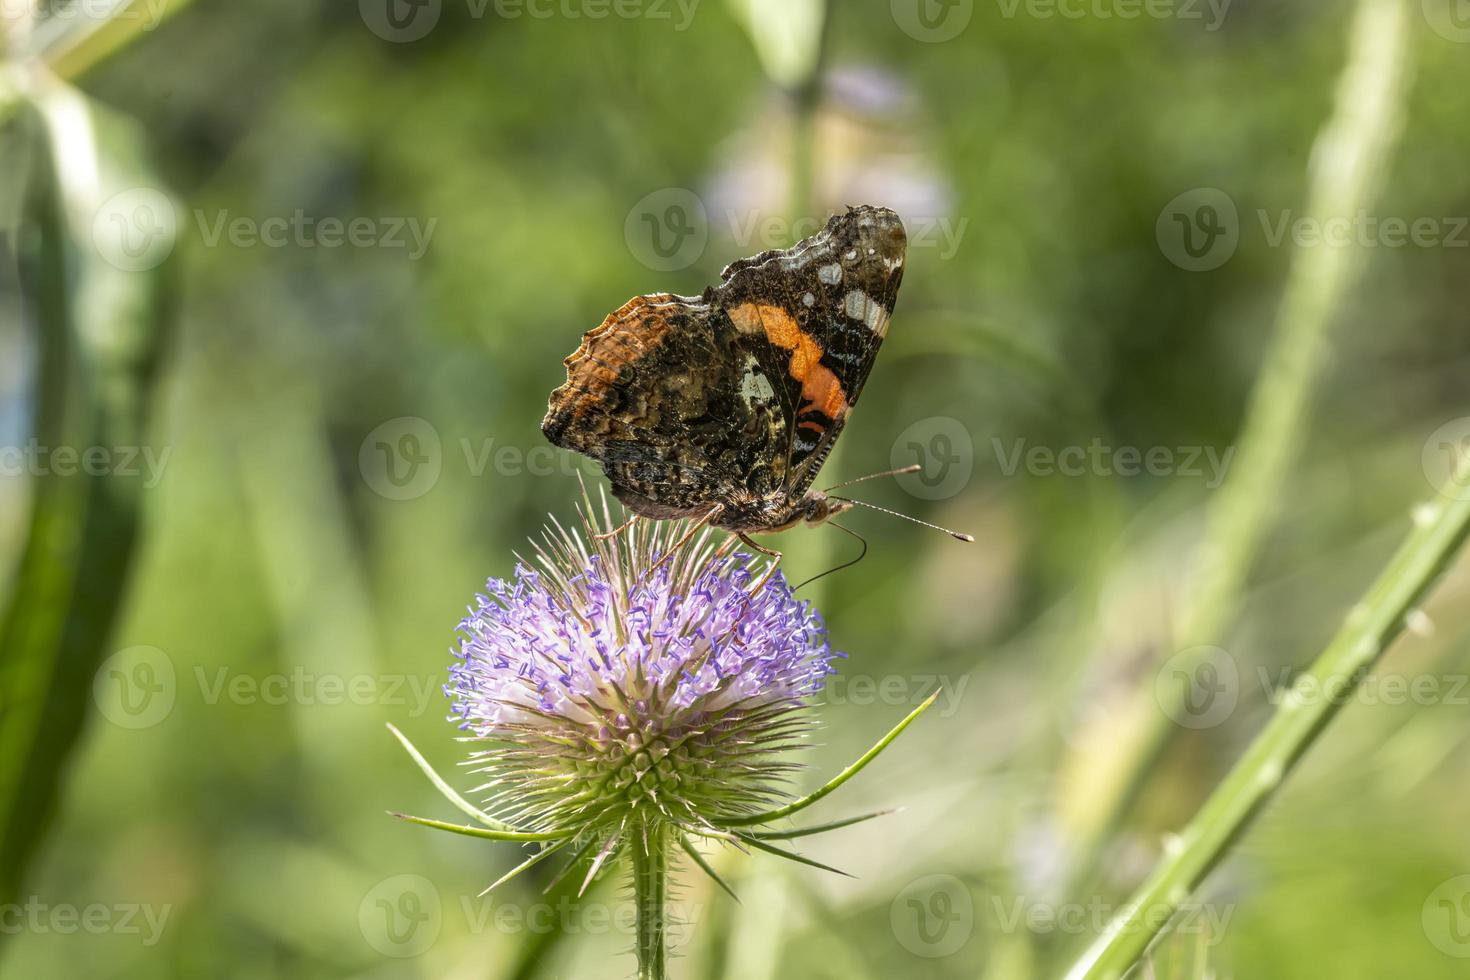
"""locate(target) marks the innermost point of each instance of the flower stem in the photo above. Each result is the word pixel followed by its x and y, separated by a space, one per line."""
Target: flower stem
pixel 650 894
pixel 1440 530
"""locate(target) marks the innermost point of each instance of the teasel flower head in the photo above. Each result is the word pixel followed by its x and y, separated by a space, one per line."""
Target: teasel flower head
pixel 632 692
pixel 617 684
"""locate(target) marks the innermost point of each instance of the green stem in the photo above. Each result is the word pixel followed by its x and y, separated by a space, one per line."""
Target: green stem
pixel 81 51
pixel 1348 163
pixel 650 895
pixel 1440 530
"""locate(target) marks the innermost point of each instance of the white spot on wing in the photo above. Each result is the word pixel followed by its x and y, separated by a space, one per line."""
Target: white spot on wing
pixel 808 299
pixel 830 274
pixel 755 386
pixel 864 309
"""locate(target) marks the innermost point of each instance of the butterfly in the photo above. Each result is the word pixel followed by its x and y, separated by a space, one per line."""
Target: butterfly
pixel 723 407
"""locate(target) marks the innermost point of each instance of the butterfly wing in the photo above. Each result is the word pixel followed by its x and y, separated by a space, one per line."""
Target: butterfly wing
pixel 823 307
pixel 678 410
pixel 735 398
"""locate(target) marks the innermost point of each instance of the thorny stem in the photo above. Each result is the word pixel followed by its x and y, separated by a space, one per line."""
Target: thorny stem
pixel 1440 531
pixel 650 851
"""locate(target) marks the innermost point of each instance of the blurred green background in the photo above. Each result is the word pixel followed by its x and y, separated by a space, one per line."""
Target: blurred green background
pixel 335 256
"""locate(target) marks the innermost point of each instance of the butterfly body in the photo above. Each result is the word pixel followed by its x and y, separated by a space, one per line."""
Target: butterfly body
pixel 723 407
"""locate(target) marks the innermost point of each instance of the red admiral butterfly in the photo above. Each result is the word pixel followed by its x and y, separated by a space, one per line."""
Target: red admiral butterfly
pixel 722 407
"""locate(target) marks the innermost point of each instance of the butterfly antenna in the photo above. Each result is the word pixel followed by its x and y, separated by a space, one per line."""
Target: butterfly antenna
pixel 874 476
pixel 893 513
pixel 847 564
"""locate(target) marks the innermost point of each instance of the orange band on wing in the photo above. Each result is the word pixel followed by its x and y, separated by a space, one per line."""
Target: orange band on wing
pixel 820 389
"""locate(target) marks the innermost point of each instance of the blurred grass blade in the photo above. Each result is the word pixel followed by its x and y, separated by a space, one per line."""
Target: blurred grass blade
pixel 787 35
pixel 99 333
pixel 1348 161
pixel 72 46
pixel 1439 533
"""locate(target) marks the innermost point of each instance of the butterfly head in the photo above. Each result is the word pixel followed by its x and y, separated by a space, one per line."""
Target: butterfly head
pixel 817 507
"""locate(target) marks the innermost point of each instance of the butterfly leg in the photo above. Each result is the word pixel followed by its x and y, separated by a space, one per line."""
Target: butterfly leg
pixel 684 538
pixel 617 530
pixel 770 553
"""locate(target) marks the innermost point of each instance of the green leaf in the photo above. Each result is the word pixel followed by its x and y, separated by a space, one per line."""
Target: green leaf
pixel 483 833
pixel 464 805
pixel 704 865
pixel 761 845
pixel 820 828
pixel 101 332
pixel 840 778
pixel 530 862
